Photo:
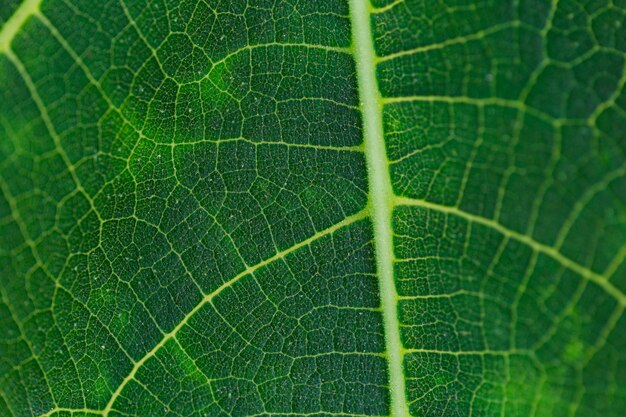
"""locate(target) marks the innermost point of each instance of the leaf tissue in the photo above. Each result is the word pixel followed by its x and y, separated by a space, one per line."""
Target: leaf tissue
pixel 312 208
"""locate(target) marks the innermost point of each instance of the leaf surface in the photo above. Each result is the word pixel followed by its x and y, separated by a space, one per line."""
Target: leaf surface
pixel 312 208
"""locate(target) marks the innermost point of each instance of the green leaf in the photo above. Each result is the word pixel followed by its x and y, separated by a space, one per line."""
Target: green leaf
pixel 312 208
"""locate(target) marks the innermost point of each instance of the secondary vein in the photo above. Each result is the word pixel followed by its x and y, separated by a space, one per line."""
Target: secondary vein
pixel 381 195
pixel 601 280
pixel 209 297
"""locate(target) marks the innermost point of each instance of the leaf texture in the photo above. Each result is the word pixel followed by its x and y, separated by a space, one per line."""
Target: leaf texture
pixel 312 208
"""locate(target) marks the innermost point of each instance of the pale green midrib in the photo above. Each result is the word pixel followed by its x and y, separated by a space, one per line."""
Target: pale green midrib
pixel 381 195
pixel 16 21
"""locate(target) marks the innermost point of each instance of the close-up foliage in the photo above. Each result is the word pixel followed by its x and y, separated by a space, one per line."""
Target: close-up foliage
pixel 325 208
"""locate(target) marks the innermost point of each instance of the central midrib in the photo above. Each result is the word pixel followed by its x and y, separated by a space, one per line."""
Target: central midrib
pixel 381 195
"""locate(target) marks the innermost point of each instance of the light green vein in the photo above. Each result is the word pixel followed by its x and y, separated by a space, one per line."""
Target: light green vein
pixel 451 41
pixel 16 21
pixel 553 253
pixel 478 101
pixel 381 195
pixel 59 410
pixel 383 9
pixel 207 298
pixel 486 352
